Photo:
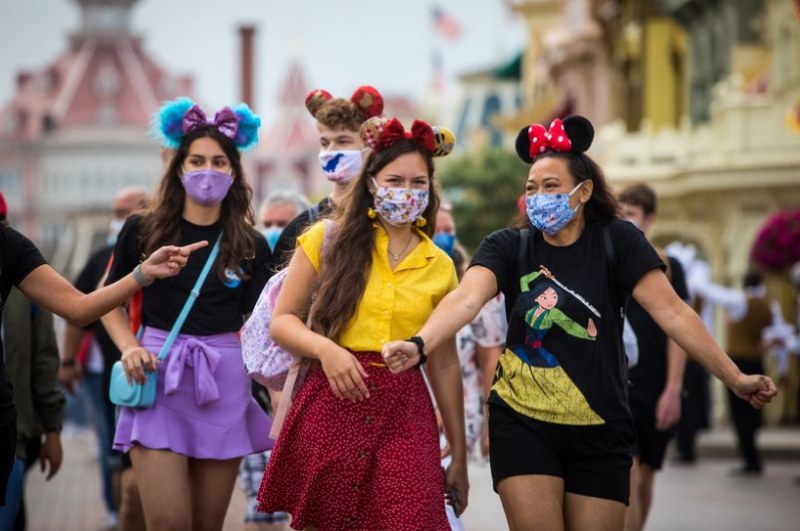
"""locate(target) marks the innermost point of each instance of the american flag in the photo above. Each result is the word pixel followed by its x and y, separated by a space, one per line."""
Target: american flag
pixel 446 25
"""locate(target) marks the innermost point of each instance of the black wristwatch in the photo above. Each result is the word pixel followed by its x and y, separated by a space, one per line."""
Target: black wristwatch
pixel 420 348
pixel 68 363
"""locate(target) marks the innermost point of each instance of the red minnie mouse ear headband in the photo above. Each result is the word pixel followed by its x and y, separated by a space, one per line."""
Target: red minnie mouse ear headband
pixel 574 134
pixel 366 98
pixel 380 132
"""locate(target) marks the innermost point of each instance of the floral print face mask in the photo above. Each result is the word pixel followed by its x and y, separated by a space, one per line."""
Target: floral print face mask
pixel 399 206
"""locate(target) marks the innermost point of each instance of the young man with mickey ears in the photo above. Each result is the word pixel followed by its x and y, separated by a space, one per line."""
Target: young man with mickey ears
pixel 340 155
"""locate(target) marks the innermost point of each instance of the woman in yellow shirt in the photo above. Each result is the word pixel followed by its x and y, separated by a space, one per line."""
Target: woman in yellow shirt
pixel 359 448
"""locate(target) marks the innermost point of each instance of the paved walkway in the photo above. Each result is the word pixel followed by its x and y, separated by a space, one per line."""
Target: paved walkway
pixel 698 498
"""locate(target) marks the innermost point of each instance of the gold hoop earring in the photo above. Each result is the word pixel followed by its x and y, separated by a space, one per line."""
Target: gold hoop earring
pixel 420 222
pixel 371 214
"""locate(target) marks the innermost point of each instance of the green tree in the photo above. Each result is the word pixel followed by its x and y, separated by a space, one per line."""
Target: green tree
pixel 484 187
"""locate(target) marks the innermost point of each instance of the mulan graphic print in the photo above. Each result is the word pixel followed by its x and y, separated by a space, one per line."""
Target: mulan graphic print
pixel 564 361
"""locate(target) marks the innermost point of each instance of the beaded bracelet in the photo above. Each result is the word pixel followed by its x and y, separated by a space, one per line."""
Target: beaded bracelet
pixel 139 276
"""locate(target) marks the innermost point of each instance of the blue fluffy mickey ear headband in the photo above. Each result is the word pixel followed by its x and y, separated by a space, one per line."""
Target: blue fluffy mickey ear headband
pixel 179 117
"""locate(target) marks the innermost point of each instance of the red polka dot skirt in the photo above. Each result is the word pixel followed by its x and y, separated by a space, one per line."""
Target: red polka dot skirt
pixel 370 465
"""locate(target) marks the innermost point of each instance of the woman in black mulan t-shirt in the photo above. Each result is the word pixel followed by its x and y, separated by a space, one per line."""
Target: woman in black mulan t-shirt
pixel 186 448
pixel 560 429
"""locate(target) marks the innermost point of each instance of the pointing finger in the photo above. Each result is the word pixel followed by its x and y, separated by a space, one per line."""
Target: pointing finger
pixel 187 249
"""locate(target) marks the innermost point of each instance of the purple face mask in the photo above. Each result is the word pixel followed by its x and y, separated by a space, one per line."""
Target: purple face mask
pixel 207 187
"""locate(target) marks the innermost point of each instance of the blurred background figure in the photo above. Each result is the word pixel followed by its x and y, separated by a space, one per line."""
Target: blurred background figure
pixel 31 357
pixel 696 398
pixel 656 381
pixel 89 353
pixel 277 210
pixel 748 316
pixel 479 343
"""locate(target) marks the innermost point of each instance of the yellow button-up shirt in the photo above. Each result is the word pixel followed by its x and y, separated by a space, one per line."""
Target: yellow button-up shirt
pixel 395 304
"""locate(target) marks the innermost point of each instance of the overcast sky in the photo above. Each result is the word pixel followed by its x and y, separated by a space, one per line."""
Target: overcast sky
pixel 344 43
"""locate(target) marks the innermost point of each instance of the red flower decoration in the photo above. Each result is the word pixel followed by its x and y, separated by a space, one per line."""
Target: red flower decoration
pixel 777 245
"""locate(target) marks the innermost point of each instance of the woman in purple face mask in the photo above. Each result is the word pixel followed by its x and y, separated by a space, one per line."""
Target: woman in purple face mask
pixel 560 428
pixel 186 448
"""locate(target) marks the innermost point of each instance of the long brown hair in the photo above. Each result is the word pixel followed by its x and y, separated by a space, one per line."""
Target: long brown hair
pixel 161 222
pixel 348 254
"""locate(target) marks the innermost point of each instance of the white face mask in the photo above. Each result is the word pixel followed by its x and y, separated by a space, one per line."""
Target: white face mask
pixel 340 166
pixel 114 226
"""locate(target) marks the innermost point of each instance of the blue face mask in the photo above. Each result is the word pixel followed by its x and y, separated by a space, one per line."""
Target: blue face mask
pixel 272 235
pixel 551 212
pixel 446 242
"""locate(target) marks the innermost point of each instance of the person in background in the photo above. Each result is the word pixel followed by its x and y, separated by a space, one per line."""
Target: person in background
pixel 277 210
pixel 657 379
pixel 475 342
pixel 479 344
pixel 341 154
pixel 696 400
pixel 95 371
pixel 748 316
pixel 31 356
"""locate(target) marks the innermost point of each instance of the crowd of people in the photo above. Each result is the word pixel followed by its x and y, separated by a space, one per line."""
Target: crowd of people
pixel 414 355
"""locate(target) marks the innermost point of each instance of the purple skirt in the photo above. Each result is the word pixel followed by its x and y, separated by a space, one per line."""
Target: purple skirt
pixel 203 406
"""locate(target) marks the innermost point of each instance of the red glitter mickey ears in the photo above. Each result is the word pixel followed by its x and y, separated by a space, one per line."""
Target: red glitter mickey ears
pixel 369 100
pixel 366 98
pixel 316 99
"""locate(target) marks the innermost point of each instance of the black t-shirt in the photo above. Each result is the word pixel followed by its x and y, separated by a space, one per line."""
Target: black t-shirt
pixel 18 257
pixel 221 307
pixel 284 248
pixel 649 375
pixel 564 361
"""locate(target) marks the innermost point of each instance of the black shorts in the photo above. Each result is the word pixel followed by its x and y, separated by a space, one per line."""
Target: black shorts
pixel 593 460
pixel 651 444
pixel 8 455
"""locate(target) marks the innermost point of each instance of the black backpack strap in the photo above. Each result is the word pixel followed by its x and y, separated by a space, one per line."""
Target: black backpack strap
pixel 611 257
pixel 524 251
pixel 611 261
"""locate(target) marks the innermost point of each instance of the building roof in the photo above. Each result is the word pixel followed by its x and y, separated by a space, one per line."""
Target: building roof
pixel 104 78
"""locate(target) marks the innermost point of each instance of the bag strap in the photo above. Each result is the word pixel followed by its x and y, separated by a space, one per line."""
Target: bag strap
pixel 611 266
pixel 522 259
pixel 313 214
pixel 187 306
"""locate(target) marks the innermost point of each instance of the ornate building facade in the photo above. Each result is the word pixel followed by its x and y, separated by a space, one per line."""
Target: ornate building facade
pixel 75 132
pixel 698 98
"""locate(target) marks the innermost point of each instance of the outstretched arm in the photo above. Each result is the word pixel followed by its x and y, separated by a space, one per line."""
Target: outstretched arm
pixel 682 324
pixel 46 287
pixel 456 309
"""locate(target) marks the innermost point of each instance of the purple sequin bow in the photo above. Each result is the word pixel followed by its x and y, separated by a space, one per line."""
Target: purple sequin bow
pixel 225 121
